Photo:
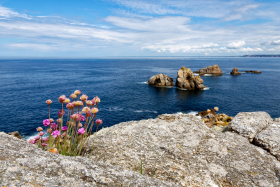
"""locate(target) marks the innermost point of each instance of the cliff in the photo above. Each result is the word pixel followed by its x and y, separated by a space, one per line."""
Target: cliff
pixel 175 150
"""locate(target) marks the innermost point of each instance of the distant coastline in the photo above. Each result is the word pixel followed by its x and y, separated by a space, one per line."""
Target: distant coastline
pixel 261 56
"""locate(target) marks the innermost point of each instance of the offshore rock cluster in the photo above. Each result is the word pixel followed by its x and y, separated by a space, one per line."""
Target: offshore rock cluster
pixel 174 149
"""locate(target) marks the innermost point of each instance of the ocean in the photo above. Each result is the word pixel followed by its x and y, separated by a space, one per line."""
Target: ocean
pixel 121 84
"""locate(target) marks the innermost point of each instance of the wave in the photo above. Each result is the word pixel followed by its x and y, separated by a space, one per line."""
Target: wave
pixel 140 111
pixel 195 74
pixel 207 88
pixel 208 75
pixel 190 112
pixel 112 109
pixel 142 82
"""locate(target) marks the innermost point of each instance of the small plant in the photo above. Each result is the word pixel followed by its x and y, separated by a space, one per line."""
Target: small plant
pixel 69 139
pixel 141 168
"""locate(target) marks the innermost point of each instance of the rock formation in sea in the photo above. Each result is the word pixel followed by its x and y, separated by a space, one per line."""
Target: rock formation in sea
pixel 161 80
pixel 187 80
pixel 235 72
pixel 253 71
pixel 174 149
pixel 212 70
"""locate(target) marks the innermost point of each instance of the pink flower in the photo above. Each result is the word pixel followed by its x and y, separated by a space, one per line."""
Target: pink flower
pixel 58 120
pixel 41 133
pixel 49 101
pixel 62 98
pixel 45 139
pixel 53 125
pixel 94 110
pixel 70 106
pixel 32 141
pixel 51 120
pixel 44 144
pixel 64 128
pixel 88 103
pixel 84 97
pixel 61 113
pixel 46 122
pixel 39 129
pixel 88 114
pixel 36 138
pixel 81 131
pixel 80 125
pixel 66 100
pixel 98 121
pixel 55 133
pixel 78 103
pixel 77 92
pixel 64 134
pixel 86 109
pixel 73 96
pixel 49 131
pixel 96 99
pixel 93 102
pixel 82 118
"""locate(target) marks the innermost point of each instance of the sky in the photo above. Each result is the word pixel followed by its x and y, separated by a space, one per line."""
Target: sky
pixel 112 28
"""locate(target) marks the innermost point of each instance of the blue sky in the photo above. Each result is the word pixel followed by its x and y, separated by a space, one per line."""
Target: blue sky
pixel 104 28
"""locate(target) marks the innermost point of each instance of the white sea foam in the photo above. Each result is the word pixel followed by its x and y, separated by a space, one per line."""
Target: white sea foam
pixel 208 75
pixel 195 74
pixel 113 109
pixel 207 88
pixel 149 111
pixel 194 113
pixel 142 82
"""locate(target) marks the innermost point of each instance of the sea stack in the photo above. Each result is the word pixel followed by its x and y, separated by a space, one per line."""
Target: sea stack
pixel 253 71
pixel 235 72
pixel 161 80
pixel 187 80
pixel 212 70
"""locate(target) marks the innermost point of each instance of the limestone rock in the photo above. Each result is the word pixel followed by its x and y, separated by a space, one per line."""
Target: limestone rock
pixel 180 148
pixel 269 139
pixel 249 124
pixel 277 119
pixel 212 70
pixel 24 164
pixel 187 80
pixel 253 71
pixel 16 134
pixel 161 80
pixel 235 72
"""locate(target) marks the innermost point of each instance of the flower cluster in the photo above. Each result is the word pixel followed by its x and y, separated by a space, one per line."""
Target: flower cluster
pixel 69 139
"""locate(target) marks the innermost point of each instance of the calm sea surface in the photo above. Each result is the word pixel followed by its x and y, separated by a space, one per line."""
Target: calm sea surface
pixel 25 85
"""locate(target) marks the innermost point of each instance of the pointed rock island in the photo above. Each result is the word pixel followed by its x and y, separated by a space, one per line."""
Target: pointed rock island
pixel 235 72
pixel 187 80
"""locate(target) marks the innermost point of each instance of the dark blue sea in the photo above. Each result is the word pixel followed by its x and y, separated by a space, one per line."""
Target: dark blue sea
pixel 25 85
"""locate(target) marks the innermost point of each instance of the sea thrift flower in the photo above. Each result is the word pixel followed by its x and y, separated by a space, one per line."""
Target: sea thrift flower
pixel 51 120
pixel 53 125
pixel 88 114
pixel 49 131
pixel 84 97
pixel 62 98
pixel 89 103
pixel 41 133
pixel 45 139
pixel 66 100
pixel 71 123
pixel 39 129
pixel 55 133
pixel 80 125
pixel 77 92
pixel 36 138
pixel 216 108
pixel 98 121
pixel 86 109
pixel 70 106
pixel 93 102
pixel 75 117
pixel 82 118
pixel 96 99
pixel 64 134
pixel 78 103
pixel 64 128
pixel 44 144
pixel 32 141
pixel 208 110
pixel 49 101
pixel 60 140
pixel 81 131
pixel 46 122
pixel 61 113
pixel 58 120
pixel 94 110
pixel 73 96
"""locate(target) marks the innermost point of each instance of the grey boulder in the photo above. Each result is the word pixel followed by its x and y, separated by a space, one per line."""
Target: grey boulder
pixel 249 124
pixel 161 80
pixel 269 139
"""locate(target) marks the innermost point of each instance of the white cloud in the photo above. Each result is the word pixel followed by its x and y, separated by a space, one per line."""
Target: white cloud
pixel 248 49
pixel 6 13
pixel 160 24
pixel 276 42
pixel 236 45
pixel 210 45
